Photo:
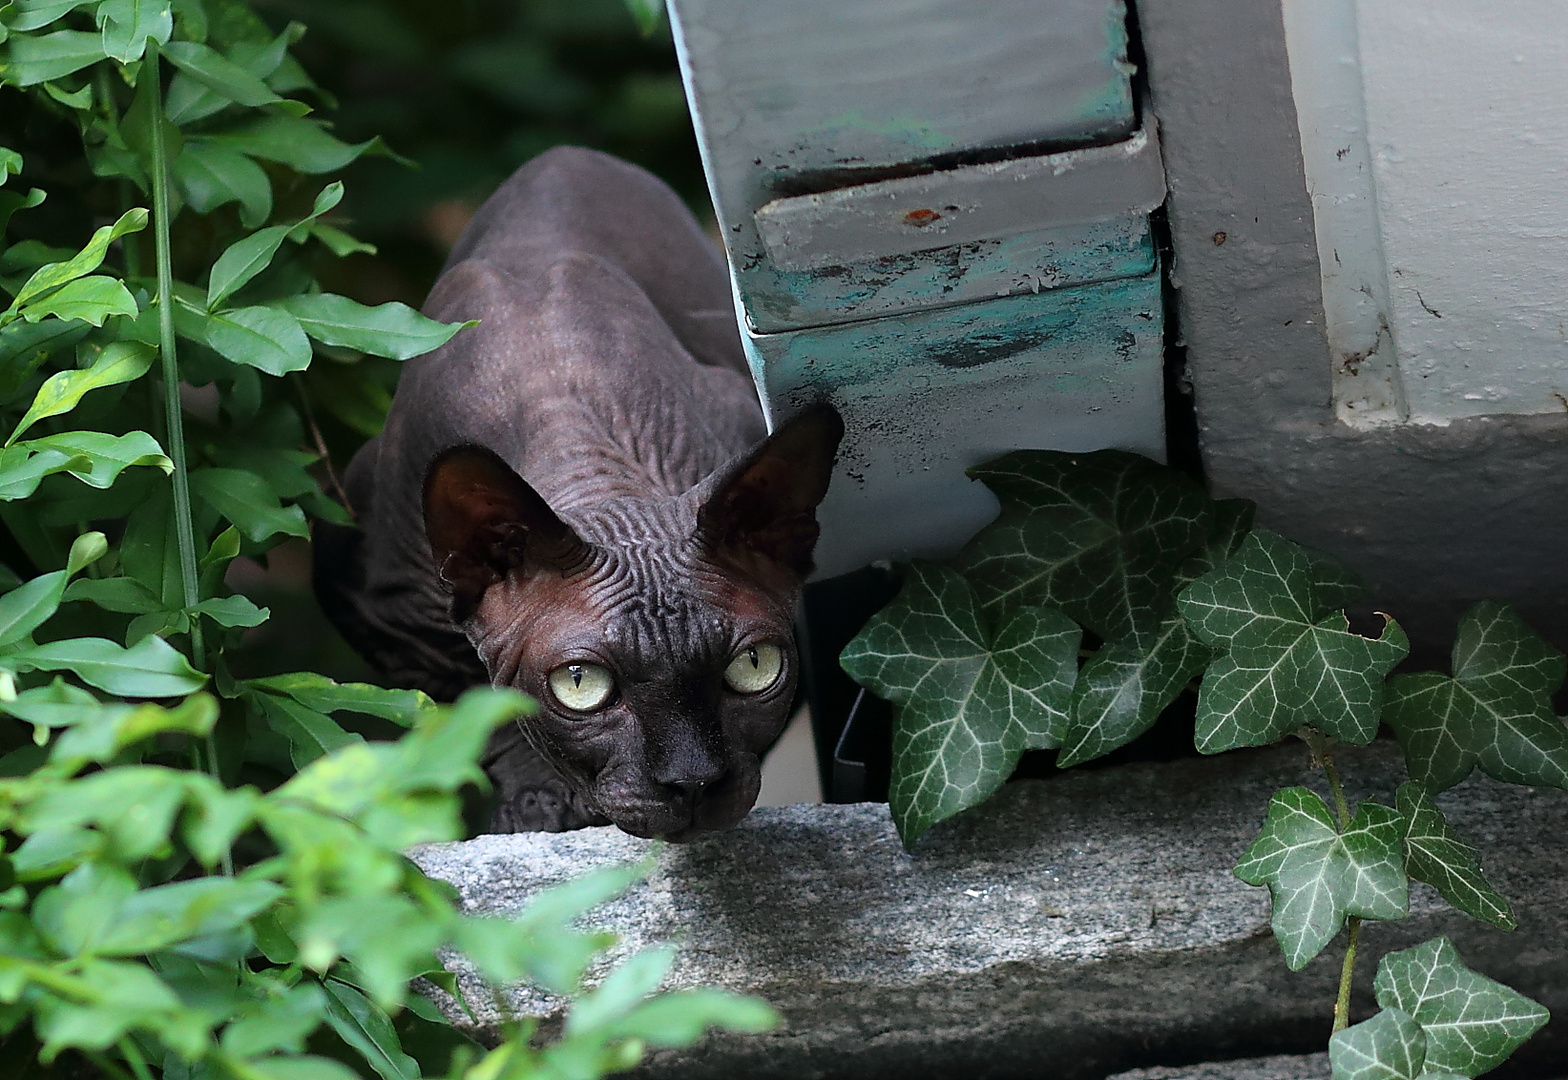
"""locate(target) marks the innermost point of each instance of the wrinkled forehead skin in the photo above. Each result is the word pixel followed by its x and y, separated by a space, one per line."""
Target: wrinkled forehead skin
pixel 665 615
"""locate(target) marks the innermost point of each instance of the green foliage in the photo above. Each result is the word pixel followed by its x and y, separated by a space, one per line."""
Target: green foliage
pixel 972 699
pixel 201 874
pixel 977 659
pixel 1471 1023
pixel 1319 874
pixel 1289 659
pixel 1495 712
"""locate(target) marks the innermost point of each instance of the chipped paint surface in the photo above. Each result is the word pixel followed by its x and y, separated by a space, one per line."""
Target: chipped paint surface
pixel 926 395
pixel 957 274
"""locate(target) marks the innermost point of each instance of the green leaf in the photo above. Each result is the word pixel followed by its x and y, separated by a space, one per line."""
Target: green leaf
pixel 393 330
pixel 120 362
pixel 25 608
pixel 1390 1046
pixel 1471 1023
pixel 265 338
pixel 681 1018
pixel 127 24
pixel 300 1068
pixel 37 14
pixel 211 176
pixel 1287 660
pixel 151 668
pixel 56 705
pixel 648 13
pixel 232 611
pixel 967 702
pixel 302 145
pixel 11 202
pixel 246 258
pixel 22 470
pixel 101 734
pixel 48 278
pixel 122 594
pixel 154 919
pixel 97 458
pixel 323 694
pixel 1099 536
pixel 1435 854
pixel 367 1029
pixel 279 1022
pixel 1496 711
pixel 219 74
pixel 310 734
pixel 1124 686
pixel 91 299
pixel 33 60
pixel 245 499
pixel 1317 875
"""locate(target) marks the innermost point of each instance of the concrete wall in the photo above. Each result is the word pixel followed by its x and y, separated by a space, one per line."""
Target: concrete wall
pixel 1436 516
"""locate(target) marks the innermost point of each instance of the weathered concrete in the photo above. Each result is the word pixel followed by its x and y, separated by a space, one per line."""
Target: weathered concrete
pixel 1280 1067
pixel 1069 928
pixel 1435 517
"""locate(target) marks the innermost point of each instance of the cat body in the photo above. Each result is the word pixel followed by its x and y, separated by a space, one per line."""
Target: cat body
pixel 580 487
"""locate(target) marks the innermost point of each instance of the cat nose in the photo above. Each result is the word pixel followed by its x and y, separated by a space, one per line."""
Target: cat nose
pixel 689 788
pixel 693 785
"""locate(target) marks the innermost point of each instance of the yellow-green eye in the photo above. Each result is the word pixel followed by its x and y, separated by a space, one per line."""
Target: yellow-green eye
pixel 754 669
pixel 582 687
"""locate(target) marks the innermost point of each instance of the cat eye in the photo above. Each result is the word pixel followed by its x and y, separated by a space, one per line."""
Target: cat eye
pixel 754 669
pixel 582 687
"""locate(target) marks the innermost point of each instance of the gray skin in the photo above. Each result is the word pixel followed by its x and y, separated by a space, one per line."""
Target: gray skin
pixel 584 477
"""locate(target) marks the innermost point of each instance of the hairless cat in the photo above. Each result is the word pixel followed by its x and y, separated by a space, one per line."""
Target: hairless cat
pixel 575 498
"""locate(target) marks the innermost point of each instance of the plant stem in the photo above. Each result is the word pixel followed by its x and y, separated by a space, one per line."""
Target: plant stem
pixel 1346 971
pixel 1341 807
pixel 173 410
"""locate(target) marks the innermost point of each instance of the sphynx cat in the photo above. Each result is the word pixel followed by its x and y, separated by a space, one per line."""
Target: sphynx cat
pixel 578 498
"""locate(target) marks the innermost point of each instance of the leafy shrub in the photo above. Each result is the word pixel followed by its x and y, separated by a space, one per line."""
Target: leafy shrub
pixel 981 660
pixel 201 873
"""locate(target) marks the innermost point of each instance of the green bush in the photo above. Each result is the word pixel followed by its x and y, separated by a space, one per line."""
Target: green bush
pixel 202 872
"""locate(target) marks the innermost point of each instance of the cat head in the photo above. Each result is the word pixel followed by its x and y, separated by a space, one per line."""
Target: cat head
pixel 655 633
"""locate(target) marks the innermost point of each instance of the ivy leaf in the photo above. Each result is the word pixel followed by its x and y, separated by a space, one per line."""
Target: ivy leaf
pixel 1317 875
pixel 1099 536
pixel 120 362
pixel 264 338
pixel 1471 1023
pixel 1495 712
pixel 1390 1046
pixel 1435 854
pixel 968 702
pixel 245 499
pixel 33 60
pixel 393 330
pixel 1124 686
pixel 127 24
pixel 1288 661
pixel 210 176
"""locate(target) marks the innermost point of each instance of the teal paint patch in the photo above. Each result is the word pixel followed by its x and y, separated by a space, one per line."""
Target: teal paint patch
pixel 927 394
pixel 777 300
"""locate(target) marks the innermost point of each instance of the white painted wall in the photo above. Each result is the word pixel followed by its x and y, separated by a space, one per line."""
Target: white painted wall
pixel 1441 202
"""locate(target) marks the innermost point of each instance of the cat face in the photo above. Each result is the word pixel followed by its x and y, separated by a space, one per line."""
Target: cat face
pixel 655 634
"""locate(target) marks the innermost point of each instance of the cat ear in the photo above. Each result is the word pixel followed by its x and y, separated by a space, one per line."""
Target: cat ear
pixel 483 521
pixel 765 501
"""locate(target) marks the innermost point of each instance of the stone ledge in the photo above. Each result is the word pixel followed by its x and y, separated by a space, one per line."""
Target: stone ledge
pixel 1069 928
